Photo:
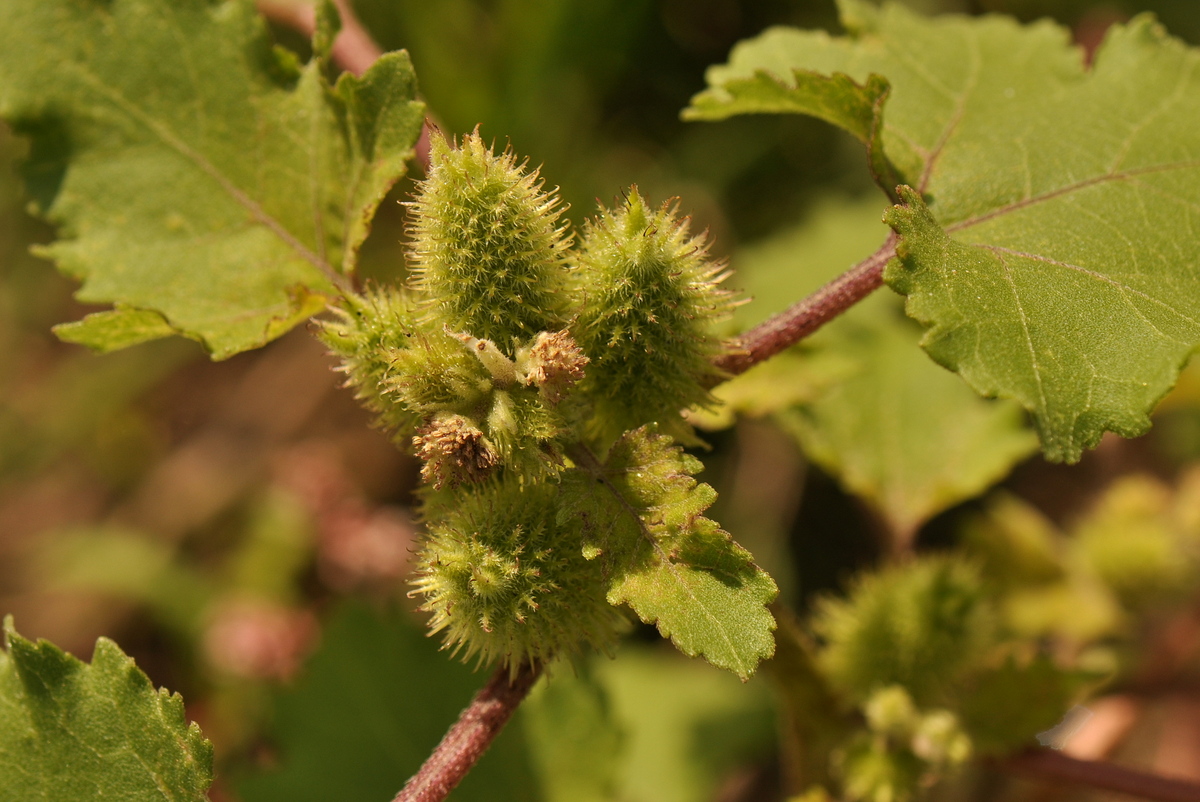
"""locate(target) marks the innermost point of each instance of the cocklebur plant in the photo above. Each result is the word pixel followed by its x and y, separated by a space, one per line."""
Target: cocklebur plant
pixel 540 376
pixel 530 417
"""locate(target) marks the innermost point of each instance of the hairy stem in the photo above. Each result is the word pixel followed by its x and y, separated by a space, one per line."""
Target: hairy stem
pixel 1045 764
pixel 803 318
pixel 476 728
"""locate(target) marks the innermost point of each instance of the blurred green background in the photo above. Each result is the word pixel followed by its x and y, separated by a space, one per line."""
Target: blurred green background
pixel 240 530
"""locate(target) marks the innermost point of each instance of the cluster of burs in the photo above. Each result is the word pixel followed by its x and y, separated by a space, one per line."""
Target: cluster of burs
pixel 514 355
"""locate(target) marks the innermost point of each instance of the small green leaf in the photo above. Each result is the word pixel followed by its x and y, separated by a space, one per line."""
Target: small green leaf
pixel 115 329
pixel 69 730
pixel 837 99
pixel 641 513
pixel 194 171
pixel 1048 245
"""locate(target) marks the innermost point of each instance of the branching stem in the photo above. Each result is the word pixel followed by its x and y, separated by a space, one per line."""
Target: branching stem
pixel 804 317
pixel 1046 764
pixel 466 741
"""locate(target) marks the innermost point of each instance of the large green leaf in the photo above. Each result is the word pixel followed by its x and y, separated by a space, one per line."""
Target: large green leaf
pixel 69 730
pixel 193 171
pixel 1050 251
pixel 642 515
pixel 861 398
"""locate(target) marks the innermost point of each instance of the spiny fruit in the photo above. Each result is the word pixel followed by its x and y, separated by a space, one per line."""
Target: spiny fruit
pixel 505 581
pixel 650 297
pixel 489 252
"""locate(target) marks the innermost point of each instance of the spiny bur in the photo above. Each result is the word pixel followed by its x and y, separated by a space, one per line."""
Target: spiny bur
pixel 650 299
pixel 489 253
pixel 504 581
pixel 367 334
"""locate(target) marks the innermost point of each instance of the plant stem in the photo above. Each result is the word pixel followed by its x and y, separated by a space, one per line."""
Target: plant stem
pixel 804 317
pixel 354 50
pixel 1050 765
pixel 471 735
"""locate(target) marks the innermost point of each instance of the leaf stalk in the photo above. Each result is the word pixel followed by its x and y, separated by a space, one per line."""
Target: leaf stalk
pixel 801 319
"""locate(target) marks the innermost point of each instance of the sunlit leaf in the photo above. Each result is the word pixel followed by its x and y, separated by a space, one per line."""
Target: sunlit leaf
pixel 200 176
pixel 1049 245
pixel 73 730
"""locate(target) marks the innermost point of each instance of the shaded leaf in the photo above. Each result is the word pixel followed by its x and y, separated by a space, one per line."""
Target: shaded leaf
pixel 370 706
pixel 641 513
pixel 1049 248
pixel 200 175
pixel 573 738
pixel 687 727
pixel 863 401
pixel 70 730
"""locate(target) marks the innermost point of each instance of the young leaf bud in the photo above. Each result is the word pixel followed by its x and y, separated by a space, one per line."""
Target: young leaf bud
pixel 455 452
pixel 489 253
pixel 650 297
pixel 553 363
pixel 504 582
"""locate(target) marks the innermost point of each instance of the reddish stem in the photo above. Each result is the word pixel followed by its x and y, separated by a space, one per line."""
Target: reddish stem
pixel 353 50
pixel 804 317
pixel 471 735
pixel 1046 764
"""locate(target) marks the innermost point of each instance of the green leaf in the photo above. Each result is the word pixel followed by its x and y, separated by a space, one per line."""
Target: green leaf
pixel 906 436
pixel 573 739
pixel 837 98
pixel 194 171
pixel 370 706
pixel 687 727
pixel 1049 250
pixel 116 329
pixel 69 730
pixel 641 513
pixel 896 429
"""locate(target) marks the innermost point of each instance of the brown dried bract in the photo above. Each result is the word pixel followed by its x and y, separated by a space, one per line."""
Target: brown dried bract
pixel 554 363
pixel 454 452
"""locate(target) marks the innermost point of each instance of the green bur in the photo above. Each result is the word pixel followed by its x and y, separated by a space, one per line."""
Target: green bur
pixel 489 252
pixel 650 299
pixel 505 581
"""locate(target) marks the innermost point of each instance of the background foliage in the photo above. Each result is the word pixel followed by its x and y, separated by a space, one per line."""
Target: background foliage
pixel 240 531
